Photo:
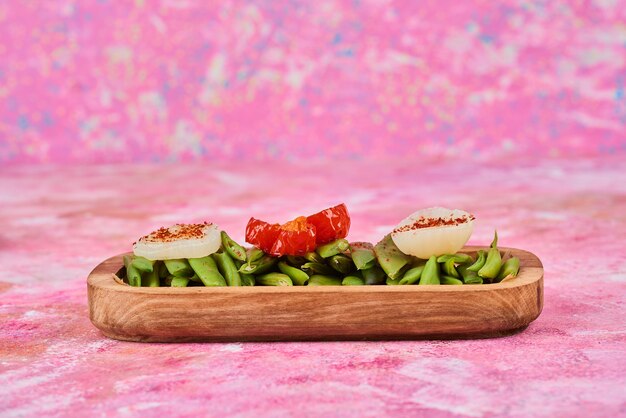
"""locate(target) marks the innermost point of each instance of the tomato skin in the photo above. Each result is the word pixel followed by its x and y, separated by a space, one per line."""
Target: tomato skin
pixel 301 235
pixel 262 234
pixel 330 224
pixel 291 242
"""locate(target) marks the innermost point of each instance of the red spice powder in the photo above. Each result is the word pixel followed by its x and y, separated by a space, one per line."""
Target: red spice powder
pixel 424 222
pixel 179 231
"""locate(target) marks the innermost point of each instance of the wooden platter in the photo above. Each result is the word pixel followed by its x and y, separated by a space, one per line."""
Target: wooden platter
pixel 314 313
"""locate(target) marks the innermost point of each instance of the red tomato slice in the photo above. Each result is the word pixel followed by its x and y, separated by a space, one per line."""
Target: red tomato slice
pixel 301 235
pixel 261 234
pixel 330 224
pixel 296 237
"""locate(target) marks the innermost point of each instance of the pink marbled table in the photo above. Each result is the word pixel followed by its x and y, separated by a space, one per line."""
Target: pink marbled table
pixel 59 222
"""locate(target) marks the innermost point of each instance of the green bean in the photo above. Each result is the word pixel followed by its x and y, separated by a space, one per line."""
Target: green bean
pixel 342 263
pixel 247 279
pixel 480 261
pixel 207 271
pixel 492 265
pixel 179 267
pixel 430 274
pixel 450 280
pixel 162 269
pixel 459 258
pixel 194 279
pixel 362 254
pixel 261 265
pixel 179 281
pixel 494 243
pixel 374 276
pixel 228 269
pixel 352 281
pixel 333 248
pixel 412 276
pixel 317 268
pixel 132 274
pixel 392 282
pixel 296 260
pixel 254 254
pixel 151 279
pixel 448 268
pixel 274 279
pixel 314 257
pixel 143 264
pixel 297 276
pixel 509 269
pixel 322 280
pixel 390 258
pixel 469 276
pixel 233 249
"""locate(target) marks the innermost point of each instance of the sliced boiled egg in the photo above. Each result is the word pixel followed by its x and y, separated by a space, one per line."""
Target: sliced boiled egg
pixel 433 231
pixel 179 241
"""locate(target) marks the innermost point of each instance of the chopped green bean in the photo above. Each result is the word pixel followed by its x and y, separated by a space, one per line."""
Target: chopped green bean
pixel 450 280
pixel 448 268
pixel 143 264
pixel 179 281
pixel 391 259
pixel 469 276
pixel 459 258
pixel 342 263
pixel 492 265
pixel 297 276
pixel 274 279
pixel 509 269
pixel 314 257
pixel 247 279
pixel 151 279
pixel 261 265
pixel 317 268
pixel 430 274
pixel 179 267
pixel 167 280
pixel 494 243
pixel 207 271
pixel 392 282
pixel 296 260
pixel 227 268
pixel 412 276
pixel 323 280
pixel 194 279
pixel 480 261
pixel 352 281
pixel 233 249
pixel 132 274
pixel 254 254
pixel 333 248
pixel 362 254
pixel 374 276
pixel 161 268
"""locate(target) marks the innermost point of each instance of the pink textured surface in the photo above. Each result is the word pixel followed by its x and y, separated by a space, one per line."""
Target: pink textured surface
pixel 59 222
pixel 171 80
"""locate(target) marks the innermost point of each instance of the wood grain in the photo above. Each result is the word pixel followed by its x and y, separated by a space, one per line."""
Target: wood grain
pixel 314 313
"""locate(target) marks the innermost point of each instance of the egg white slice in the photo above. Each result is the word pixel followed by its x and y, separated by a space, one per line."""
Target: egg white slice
pixel 179 241
pixel 433 231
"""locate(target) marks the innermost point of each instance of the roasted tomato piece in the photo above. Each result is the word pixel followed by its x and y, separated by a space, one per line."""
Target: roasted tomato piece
pixel 296 237
pixel 330 224
pixel 262 234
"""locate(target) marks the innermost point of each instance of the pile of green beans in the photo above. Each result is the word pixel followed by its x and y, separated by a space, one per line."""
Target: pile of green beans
pixel 338 263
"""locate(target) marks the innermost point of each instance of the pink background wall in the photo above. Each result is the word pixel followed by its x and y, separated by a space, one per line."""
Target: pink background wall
pixel 179 79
